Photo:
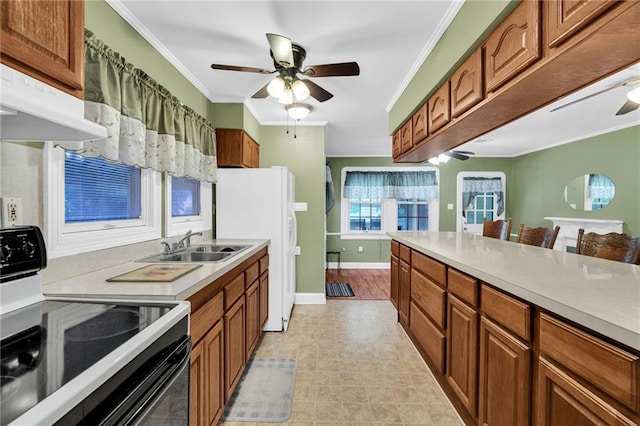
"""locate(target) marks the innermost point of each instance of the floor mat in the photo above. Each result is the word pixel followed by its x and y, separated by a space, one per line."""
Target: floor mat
pixel 338 290
pixel 264 393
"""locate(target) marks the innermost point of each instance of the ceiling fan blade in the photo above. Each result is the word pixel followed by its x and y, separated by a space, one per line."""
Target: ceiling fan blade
pixel 332 70
pixel 628 82
pixel 281 50
pixel 262 93
pixel 317 92
pixel 457 155
pixel 463 152
pixel 628 107
pixel 238 68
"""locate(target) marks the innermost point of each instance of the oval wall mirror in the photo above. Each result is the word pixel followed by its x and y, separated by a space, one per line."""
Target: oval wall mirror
pixel 589 192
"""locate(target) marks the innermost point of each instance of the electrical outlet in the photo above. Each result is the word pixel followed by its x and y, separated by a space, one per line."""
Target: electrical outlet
pixel 360 249
pixel 11 212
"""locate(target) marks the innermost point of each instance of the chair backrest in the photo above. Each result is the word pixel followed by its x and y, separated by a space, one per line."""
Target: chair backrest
pixel 500 229
pixel 612 246
pixel 540 237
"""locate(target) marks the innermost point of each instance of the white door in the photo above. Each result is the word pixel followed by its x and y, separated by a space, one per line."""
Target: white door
pixel 478 195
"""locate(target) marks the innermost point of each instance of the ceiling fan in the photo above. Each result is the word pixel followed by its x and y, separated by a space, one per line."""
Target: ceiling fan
pixel 445 156
pixel 632 103
pixel 287 60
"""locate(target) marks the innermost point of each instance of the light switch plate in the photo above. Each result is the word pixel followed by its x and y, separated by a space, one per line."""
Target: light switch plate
pixel 300 207
pixel 450 206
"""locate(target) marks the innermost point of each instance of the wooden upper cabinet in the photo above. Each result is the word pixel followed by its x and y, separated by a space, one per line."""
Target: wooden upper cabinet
pixel 439 112
pixel 419 124
pixel 45 40
pixel 235 148
pixel 564 18
pixel 406 136
pixel 397 144
pixel 513 46
pixel 466 84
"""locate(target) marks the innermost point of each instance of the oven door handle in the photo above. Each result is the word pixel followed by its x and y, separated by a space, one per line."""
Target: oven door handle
pixel 150 388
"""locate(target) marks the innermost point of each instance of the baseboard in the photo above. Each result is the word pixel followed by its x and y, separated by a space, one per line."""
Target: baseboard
pixel 359 265
pixel 310 299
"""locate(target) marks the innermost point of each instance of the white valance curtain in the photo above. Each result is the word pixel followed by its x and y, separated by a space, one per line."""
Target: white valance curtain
pixel 146 125
pixel 375 186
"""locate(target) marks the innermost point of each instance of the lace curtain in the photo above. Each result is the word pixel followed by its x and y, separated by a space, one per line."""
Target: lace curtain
pixel 375 186
pixel 146 125
pixel 471 187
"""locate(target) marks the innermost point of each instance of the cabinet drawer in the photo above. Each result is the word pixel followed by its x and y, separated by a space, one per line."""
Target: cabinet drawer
pixel 405 253
pixel 607 367
pixel 264 263
pixel 251 273
pixel 507 311
pixel 429 296
pixel 434 269
pixel 430 338
pixel 395 248
pixel 205 317
pixel 233 291
pixel 463 286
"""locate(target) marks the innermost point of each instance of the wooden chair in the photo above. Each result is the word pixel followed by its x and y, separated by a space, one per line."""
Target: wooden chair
pixel 500 229
pixel 539 237
pixel 612 246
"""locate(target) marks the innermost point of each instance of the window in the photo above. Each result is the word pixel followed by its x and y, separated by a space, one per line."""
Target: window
pixel 480 195
pixel 91 204
pixel 188 206
pixel 379 200
pixel 481 207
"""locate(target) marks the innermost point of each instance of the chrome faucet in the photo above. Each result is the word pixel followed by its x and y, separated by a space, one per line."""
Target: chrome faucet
pixel 182 244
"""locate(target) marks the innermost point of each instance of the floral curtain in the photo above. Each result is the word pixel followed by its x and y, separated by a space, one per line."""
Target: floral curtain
pixel 375 186
pixel 146 125
pixel 471 187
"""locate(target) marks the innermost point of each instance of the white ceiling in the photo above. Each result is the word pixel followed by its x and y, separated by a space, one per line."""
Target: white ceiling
pixel 388 39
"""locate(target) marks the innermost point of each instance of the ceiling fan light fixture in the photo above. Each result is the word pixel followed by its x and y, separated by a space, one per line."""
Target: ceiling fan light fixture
pixel 276 87
pixel 439 159
pixel 443 158
pixel 286 98
pixel 300 90
pixel 298 111
pixel 634 95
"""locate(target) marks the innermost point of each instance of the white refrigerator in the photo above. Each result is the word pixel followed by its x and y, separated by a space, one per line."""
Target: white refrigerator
pixel 260 203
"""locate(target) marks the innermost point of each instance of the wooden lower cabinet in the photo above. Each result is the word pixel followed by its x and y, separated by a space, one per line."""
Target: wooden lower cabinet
pixel 252 301
pixel 430 338
pixel 234 346
pixel 395 271
pixel 264 299
pixel 206 379
pixel 462 351
pixel 562 401
pixel 404 292
pixel 504 382
pixel 197 379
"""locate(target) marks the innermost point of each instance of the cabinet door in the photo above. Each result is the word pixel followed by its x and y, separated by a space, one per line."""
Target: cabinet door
pixel 419 124
pixel 45 39
pixel 406 136
pixel 564 18
pixel 255 157
pixel 397 144
pixel 214 369
pixel 247 150
pixel 466 84
pixel 513 46
pixel 404 292
pixel 395 275
pixel 252 307
pixel 505 377
pixel 439 112
pixel 562 401
pixel 264 299
pixel 462 347
pixel 197 386
pixel 234 348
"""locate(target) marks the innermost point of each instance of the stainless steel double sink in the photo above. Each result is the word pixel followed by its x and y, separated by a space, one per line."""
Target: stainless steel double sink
pixel 199 253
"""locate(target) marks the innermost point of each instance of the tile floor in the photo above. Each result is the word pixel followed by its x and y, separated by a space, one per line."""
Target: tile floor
pixel 356 366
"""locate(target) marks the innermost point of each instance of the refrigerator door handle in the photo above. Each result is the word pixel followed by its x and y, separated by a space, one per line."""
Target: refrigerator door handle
pixel 293 236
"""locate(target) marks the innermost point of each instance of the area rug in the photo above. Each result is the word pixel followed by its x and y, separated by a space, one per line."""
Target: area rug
pixel 339 290
pixel 264 393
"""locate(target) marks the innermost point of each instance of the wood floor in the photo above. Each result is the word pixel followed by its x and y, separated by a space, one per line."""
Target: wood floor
pixel 367 284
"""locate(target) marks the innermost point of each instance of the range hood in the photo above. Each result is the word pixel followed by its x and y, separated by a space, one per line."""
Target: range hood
pixel 33 111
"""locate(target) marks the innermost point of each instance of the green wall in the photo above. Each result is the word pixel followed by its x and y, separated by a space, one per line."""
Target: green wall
pixel 304 156
pixel 473 22
pixel 226 116
pixel 114 31
pixel 539 179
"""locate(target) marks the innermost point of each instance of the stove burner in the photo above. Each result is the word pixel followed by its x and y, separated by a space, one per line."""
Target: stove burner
pixel 103 325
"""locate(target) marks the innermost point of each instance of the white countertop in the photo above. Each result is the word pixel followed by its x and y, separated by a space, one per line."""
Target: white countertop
pixel 95 284
pixel 599 294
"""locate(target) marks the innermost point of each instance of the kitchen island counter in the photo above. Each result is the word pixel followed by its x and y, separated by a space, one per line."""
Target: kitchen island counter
pixel 94 285
pixel 598 294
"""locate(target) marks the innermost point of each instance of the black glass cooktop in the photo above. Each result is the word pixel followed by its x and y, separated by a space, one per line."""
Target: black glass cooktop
pixel 47 344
